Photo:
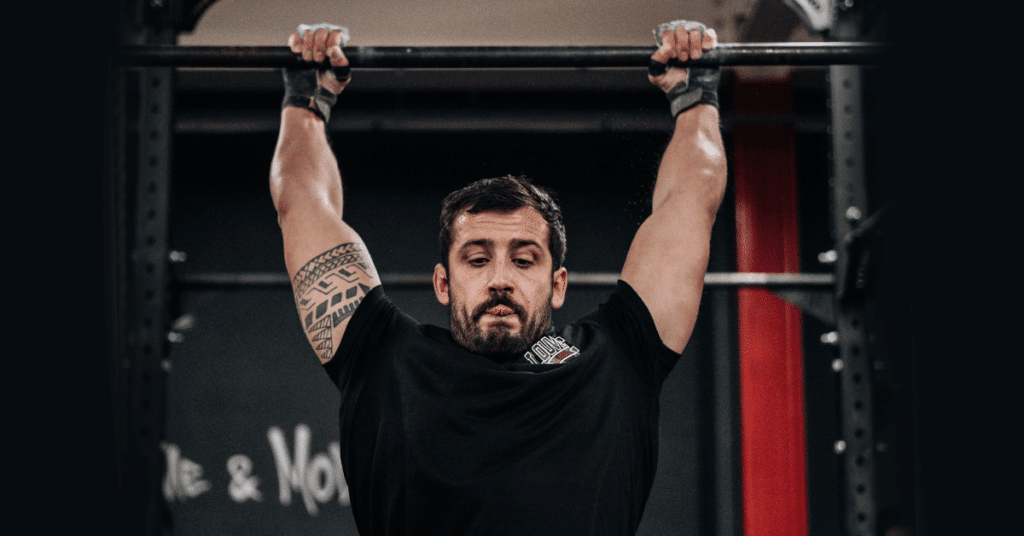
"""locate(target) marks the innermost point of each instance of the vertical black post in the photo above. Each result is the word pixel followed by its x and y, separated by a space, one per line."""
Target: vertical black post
pixel 145 162
pixel 725 413
pixel 849 207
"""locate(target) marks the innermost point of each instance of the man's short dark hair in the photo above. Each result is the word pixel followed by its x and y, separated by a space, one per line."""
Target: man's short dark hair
pixel 504 194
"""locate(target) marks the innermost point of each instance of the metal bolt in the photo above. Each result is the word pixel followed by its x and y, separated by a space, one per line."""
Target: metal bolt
pixel 175 337
pixel 837 365
pixel 156 3
pixel 882 447
pixel 184 322
pixel 828 257
pixel 840 446
pixel 832 337
pixel 177 256
pixel 853 214
pixel 165 364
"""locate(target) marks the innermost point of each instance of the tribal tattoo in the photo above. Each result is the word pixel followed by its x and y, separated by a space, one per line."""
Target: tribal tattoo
pixel 328 290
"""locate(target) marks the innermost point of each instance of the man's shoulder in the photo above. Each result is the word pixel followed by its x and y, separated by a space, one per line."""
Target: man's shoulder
pixel 622 300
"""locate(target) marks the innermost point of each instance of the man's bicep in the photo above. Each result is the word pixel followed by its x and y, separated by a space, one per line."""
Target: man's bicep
pixel 666 265
pixel 331 272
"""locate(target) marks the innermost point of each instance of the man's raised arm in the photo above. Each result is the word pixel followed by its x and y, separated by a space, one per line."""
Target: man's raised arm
pixel 330 268
pixel 669 255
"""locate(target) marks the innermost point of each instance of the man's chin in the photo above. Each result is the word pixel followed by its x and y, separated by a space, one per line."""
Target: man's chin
pixel 509 323
pixel 500 332
pixel 500 341
pixel 499 327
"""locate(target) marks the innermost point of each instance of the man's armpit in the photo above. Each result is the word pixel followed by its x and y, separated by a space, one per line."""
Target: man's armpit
pixel 328 289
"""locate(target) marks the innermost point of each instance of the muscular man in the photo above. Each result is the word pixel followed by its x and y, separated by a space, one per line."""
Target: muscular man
pixel 503 425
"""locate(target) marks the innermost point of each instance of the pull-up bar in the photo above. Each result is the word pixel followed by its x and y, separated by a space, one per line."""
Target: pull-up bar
pixel 783 281
pixel 799 54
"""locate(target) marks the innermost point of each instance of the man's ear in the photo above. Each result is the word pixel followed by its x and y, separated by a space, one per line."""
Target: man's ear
pixel 441 284
pixel 560 282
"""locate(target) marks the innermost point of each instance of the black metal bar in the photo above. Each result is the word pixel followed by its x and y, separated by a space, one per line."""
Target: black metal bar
pixel 143 373
pixel 849 205
pixel 480 119
pixel 723 446
pixel 726 54
pixel 588 279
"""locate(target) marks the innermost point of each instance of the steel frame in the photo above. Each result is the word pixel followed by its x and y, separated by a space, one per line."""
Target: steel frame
pixel 853 364
pixel 146 199
pixel 589 279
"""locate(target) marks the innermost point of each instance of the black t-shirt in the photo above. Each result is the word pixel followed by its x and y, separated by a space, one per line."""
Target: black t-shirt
pixel 438 440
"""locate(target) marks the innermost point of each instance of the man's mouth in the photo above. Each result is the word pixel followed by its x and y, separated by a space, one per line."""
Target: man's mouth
pixel 500 310
pixel 499 307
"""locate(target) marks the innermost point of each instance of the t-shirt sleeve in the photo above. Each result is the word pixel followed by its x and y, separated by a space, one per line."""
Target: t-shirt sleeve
pixel 632 325
pixel 374 322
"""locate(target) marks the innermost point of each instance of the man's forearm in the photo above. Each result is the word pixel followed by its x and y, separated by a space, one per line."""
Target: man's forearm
pixel 694 164
pixel 304 169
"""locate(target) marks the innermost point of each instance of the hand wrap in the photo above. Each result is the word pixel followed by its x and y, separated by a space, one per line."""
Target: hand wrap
pixel 701 83
pixel 301 87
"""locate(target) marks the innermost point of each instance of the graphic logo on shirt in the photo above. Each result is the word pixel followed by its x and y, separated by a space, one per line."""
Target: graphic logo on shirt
pixel 550 350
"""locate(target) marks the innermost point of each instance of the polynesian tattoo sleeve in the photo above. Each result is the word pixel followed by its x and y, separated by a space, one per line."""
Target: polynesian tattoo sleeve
pixel 328 289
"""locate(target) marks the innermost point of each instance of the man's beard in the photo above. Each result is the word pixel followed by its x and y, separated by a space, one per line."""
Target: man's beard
pixel 499 341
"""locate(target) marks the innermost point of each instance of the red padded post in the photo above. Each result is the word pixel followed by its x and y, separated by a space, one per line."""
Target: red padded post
pixel 773 451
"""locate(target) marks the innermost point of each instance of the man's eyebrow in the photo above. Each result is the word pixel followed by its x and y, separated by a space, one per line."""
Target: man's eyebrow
pixel 522 243
pixel 487 243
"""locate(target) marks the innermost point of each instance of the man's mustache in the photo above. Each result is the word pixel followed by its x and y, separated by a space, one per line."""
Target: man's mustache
pixel 496 299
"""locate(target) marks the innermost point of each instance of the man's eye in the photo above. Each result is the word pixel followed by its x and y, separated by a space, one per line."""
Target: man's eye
pixel 523 263
pixel 479 261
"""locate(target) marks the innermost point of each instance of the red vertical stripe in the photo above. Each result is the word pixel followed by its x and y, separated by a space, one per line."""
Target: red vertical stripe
pixel 771 353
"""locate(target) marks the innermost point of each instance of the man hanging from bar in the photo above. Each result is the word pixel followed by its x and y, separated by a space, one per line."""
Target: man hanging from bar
pixel 505 424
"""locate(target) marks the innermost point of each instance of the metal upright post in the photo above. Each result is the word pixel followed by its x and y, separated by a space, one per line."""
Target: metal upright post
pixel 146 198
pixel 849 208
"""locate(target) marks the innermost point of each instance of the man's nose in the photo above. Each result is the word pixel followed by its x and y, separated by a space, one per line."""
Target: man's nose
pixel 502 277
